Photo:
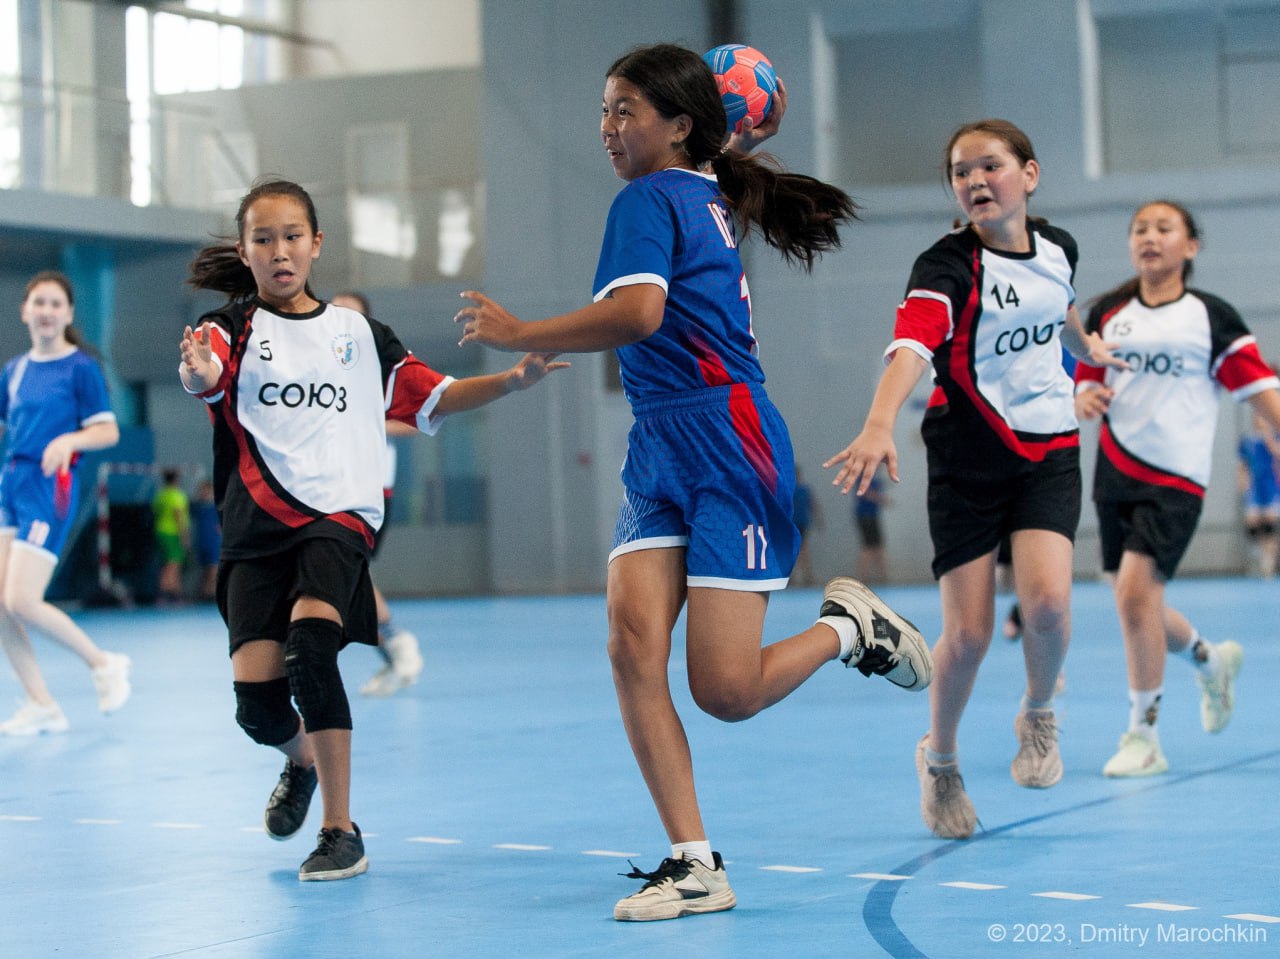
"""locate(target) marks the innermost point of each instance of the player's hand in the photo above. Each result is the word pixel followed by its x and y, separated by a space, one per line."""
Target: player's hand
pixel 1102 352
pixel 861 458
pixel 750 136
pixel 57 456
pixel 197 357
pixel 533 368
pixel 484 321
pixel 1093 402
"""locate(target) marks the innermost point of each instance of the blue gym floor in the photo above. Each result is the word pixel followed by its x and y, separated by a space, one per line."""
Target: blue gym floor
pixel 500 802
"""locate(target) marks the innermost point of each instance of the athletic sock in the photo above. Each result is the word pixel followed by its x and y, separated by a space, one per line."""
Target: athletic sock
pixel 1201 654
pixel 935 759
pixel 1144 710
pixel 847 630
pixel 1035 706
pixel 700 851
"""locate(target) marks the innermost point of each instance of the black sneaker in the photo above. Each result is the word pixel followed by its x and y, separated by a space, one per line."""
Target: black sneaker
pixel 888 645
pixel 338 855
pixel 290 800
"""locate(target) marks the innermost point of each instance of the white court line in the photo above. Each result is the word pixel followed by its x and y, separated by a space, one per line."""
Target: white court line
pixel 1072 896
pixel 1161 906
pixel 611 853
pixel 177 825
pixel 20 818
pixel 520 846
pixel 882 876
pixel 435 840
pixel 980 886
pixel 791 869
pixel 1253 917
pixel 98 822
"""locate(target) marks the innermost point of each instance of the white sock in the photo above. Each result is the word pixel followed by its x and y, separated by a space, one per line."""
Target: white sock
pixel 1201 653
pixel 1144 710
pixel 940 759
pixel 848 631
pixel 700 851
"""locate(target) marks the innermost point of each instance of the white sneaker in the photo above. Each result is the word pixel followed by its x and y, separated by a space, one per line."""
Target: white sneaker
pixel 1217 692
pixel 112 682
pixel 1139 755
pixel 403 670
pixel 406 657
pixel 888 645
pixel 679 887
pixel 32 718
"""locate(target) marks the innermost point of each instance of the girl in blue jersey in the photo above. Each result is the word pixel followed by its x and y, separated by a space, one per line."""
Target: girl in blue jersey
pixel 53 405
pixel 706 521
pixel 1258 452
pixel 984 308
pixel 299 392
pixel 1184 347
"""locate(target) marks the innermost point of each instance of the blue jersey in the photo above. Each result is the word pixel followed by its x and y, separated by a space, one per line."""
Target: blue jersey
pixel 43 399
pixel 673 229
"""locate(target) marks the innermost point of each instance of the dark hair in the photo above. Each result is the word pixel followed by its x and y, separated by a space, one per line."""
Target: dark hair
pixel 797 215
pixel 1019 143
pixel 1011 134
pixel 71 334
pixel 219 267
pixel 170 475
pixel 1129 288
pixel 357 296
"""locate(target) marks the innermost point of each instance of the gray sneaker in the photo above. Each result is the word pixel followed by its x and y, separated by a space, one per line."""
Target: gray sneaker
pixel 945 806
pixel 888 645
pixel 338 855
pixel 678 887
pixel 1038 764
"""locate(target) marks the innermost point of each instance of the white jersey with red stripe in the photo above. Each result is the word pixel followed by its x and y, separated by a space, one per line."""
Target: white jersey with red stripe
pixel 1159 426
pixel 989 323
pixel 300 411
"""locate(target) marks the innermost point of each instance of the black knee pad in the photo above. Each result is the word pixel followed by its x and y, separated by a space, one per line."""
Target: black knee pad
pixel 265 712
pixel 311 661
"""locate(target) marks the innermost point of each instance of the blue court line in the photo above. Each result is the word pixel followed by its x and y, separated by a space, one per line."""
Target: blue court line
pixel 877 911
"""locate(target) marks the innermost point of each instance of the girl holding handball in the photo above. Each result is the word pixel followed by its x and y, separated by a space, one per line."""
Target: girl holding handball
pixel 1155 449
pixel 53 406
pixel 985 306
pixel 299 392
pixel 706 521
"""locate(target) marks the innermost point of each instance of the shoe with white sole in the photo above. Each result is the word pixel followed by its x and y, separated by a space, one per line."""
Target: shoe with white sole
pixel 31 719
pixel 678 887
pixel 1139 755
pixel 112 682
pixel 1217 692
pixel 888 645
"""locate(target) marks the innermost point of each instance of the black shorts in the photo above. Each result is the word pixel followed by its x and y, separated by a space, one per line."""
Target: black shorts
pixel 968 518
pixel 869 531
pixel 1160 526
pixel 256 596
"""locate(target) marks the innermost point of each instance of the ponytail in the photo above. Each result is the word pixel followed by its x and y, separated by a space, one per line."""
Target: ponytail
pixel 797 215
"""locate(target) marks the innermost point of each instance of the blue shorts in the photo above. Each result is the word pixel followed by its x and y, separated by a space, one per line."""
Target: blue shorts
pixel 712 471
pixel 27 504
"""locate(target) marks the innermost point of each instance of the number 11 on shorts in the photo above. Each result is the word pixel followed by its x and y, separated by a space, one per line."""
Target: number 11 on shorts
pixel 750 534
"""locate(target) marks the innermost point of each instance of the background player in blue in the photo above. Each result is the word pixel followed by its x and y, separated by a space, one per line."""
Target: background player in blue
pixel 299 391
pixel 54 405
pixel 1259 451
pixel 984 307
pixel 706 518
pixel 1184 347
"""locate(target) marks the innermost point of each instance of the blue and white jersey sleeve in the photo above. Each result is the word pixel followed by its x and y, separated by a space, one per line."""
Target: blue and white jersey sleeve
pixel 639 239
pixel 93 404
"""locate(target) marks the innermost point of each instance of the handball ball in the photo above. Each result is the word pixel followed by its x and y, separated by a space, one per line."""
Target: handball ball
pixel 746 82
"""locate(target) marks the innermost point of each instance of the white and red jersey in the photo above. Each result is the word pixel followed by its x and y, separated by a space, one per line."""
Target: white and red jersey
pixel 1159 427
pixel 989 323
pixel 300 411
